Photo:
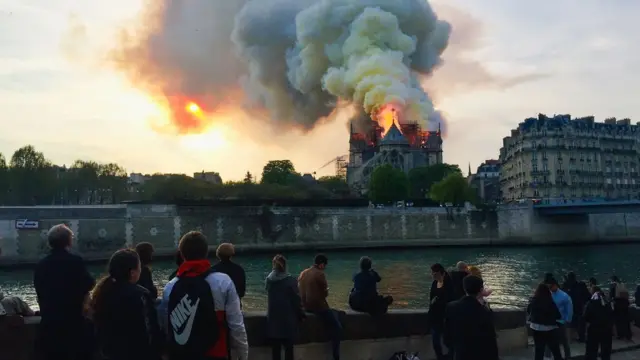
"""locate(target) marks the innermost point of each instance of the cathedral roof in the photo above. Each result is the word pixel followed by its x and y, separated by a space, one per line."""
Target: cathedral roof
pixel 394 137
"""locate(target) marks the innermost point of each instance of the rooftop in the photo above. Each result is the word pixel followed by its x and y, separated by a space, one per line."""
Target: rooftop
pixel 394 137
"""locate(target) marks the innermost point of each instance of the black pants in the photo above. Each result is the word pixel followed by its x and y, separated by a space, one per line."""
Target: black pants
pixel 601 339
pixel 580 325
pixel 543 340
pixel 373 305
pixel 276 349
pixel 334 327
pixel 621 316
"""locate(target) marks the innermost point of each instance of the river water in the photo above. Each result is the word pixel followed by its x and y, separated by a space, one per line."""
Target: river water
pixel 510 271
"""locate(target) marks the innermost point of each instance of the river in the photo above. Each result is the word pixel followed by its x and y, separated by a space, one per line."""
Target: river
pixel 510 271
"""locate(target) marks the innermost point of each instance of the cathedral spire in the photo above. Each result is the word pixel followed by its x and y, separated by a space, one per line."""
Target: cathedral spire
pixel 469 169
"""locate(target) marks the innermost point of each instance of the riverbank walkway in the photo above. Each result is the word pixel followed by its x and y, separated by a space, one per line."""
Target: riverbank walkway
pixel 623 350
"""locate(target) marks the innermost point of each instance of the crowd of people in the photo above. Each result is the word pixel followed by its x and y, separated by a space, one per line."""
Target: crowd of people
pixel 199 314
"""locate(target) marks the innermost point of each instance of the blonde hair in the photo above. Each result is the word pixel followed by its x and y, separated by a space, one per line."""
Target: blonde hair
pixel 475 271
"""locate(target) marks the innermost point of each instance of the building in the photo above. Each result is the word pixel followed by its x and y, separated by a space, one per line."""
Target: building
pixel 486 181
pixel 210 177
pixel 404 147
pixel 559 158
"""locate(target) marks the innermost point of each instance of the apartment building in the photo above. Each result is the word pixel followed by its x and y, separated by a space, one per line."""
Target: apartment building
pixel 559 158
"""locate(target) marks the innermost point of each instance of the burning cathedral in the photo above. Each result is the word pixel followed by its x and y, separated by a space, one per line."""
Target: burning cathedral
pixel 403 146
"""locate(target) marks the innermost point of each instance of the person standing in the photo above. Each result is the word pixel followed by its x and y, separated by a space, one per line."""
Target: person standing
pixel 459 273
pixel 202 308
pixel 469 324
pixel 364 296
pixel 124 313
pixel 284 309
pixel 441 294
pixel 579 294
pixel 314 290
pixel 543 320
pixel 619 296
pixel 62 284
pixel 565 306
pixel 224 253
pixel 598 315
pixel 145 252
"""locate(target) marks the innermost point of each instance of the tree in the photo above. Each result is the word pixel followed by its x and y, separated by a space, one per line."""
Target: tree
pixel 32 177
pixel 388 184
pixel 335 184
pixel 112 180
pixel 279 172
pixel 453 189
pixel 248 178
pixel 4 180
pixel 421 179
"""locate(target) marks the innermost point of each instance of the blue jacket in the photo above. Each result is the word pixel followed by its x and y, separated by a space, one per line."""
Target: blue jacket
pixel 564 304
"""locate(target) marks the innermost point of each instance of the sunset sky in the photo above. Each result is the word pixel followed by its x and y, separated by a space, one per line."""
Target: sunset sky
pixel 507 60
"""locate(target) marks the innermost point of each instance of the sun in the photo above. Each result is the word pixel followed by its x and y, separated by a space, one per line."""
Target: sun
pixel 213 139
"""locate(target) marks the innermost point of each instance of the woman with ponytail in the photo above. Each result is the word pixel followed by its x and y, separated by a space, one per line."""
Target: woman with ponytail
pixel 284 309
pixel 124 313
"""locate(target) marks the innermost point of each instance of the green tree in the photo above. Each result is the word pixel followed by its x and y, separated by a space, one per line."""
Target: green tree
pixel 453 189
pixel 4 180
pixel 280 172
pixel 112 179
pixel 421 179
pixel 388 184
pixel 32 177
pixel 248 178
pixel 335 185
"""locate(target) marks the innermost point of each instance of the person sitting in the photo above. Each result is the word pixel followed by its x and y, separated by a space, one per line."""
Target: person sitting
pixel 13 305
pixel 364 296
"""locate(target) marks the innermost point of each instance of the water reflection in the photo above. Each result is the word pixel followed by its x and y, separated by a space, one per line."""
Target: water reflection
pixel 406 274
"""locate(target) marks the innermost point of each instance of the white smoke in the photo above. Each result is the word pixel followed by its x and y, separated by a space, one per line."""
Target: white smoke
pixel 303 57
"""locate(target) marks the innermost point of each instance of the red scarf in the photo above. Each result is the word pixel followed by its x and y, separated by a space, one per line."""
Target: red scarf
pixel 193 268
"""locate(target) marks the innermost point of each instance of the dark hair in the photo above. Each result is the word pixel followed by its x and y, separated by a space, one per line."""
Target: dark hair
pixel 59 236
pixel 438 268
pixel 472 285
pixel 551 281
pixel 145 251
pixel 279 263
pixel 548 277
pixel 571 276
pixel 365 263
pixel 320 259
pixel 593 281
pixel 178 258
pixel 596 289
pixel 614 278
pixel 121 263
pixel 543 292
pixel 193 246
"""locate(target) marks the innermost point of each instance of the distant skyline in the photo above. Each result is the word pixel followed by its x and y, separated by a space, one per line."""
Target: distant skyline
pixel 507 61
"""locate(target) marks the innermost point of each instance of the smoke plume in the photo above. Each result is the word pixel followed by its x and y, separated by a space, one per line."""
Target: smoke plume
pixel 288 62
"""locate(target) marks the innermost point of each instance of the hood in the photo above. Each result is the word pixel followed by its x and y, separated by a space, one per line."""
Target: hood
pixel 275 276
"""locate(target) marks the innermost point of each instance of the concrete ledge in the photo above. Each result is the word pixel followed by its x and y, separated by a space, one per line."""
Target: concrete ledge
pixel 365 337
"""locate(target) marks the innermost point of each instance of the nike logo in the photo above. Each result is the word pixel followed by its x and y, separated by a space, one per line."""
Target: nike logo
pixel 183 313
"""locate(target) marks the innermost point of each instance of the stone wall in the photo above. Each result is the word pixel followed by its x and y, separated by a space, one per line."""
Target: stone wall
pixel 100 230
pixel 364 338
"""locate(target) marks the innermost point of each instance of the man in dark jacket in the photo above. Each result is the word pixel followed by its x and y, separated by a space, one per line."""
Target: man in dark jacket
pixel 469 325
pixel 579 294
pixel 224 253
pixel 457 275
pixel 62 285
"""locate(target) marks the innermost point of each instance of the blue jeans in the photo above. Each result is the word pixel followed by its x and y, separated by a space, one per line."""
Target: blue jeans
pixel 334 327
pixel 437 338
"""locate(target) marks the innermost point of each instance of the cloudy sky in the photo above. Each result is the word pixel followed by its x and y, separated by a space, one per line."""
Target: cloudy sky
pixel 507 60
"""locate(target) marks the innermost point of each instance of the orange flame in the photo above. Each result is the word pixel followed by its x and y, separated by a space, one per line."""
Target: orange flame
pixel 386 116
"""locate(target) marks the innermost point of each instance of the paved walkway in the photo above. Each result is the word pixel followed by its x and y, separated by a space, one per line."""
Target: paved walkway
pixel 625 351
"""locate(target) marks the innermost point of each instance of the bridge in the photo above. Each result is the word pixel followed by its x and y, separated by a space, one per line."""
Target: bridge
pixel 585 207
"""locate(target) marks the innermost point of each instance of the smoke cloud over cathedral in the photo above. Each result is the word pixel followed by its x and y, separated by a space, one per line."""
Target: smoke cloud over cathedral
pixel 290 63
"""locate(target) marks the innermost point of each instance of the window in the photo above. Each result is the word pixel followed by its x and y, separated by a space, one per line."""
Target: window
pixel 608 181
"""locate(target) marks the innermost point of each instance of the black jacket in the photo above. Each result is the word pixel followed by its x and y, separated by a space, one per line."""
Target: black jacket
pixel 438 300
pixel 598 314
pixel 62 282
pixel 543 312
pixel 146 281
pixel 456 282
pixel 469 328
pixel 579 294
pixel 127 324
pixel 235 272
pixel 284 308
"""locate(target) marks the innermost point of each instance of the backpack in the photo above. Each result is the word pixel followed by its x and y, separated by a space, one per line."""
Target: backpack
pixel 192 324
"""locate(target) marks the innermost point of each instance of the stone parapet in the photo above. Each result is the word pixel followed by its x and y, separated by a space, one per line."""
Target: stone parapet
pixel 365 337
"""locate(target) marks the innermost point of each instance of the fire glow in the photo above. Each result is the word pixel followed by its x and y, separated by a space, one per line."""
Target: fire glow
pixel 386 116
